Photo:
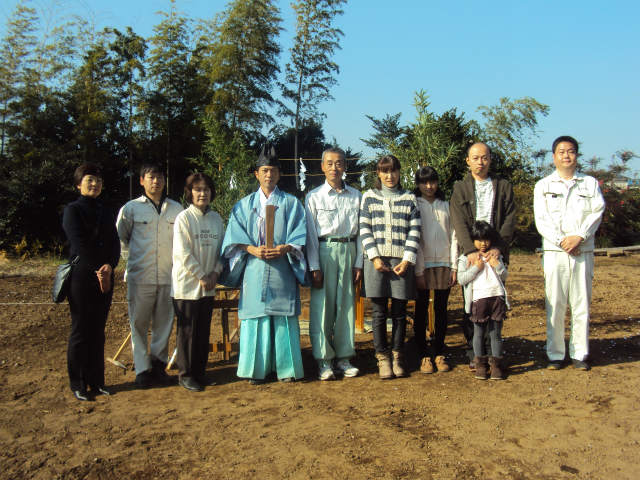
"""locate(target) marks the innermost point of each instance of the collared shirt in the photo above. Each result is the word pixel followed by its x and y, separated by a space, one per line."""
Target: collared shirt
pixel 484 200
pixel 563 208
pixel 332 213
pixel 146 235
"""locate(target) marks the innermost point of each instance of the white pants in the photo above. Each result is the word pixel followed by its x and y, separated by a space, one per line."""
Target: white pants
pixel 149 306
pixel 567 279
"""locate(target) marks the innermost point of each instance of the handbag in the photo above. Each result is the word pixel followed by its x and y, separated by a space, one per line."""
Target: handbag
pixel 60 288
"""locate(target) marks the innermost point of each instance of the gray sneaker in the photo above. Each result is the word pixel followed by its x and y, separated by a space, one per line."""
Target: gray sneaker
pixel 325 371
pixel 580 365
pixel 347 369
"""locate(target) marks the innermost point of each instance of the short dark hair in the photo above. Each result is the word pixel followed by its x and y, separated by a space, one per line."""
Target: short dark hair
pixel 87 168
pixel 478 143
pixel 427 174
pixel 337 150
pixel 150 168
pixel 564 138
pixel 195 178
pixel 483 231
pixel 385 164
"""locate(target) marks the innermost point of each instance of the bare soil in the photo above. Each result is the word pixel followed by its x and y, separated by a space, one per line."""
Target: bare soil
pixel 537 424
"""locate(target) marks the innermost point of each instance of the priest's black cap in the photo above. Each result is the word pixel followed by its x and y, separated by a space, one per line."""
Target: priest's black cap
pixel 268 158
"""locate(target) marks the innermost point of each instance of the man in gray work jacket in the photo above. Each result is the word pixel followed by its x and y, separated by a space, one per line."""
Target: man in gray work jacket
pixel 145 228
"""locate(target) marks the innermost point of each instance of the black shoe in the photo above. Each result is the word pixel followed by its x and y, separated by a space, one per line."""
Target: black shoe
pixel 580 365
pixel 101 391
pixel 144 379
pixel 81 395
pixel 256 381
pixel 190 384
pixel 158 370
pixel 554 365
pixel 287 380
pixel 205 382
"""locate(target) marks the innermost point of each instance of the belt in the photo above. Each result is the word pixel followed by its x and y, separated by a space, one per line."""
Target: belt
pixel 337 239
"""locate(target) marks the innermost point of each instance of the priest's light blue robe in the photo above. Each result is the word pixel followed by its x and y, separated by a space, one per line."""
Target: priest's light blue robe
pixel 270 295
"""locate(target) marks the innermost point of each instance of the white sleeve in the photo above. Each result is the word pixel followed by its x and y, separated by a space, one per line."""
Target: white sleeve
pixel 544 222
pixel 313 244
pixel 183 253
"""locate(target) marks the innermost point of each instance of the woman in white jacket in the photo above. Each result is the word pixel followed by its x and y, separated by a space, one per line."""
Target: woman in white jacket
pixel 197 237
pixel 435 268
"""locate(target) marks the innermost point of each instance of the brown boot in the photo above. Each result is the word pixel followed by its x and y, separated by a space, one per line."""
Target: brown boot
pixel 481 368
pixel 496 369
pixel 426 366
pixel 441 364
pixel 398 364
pixel 384 365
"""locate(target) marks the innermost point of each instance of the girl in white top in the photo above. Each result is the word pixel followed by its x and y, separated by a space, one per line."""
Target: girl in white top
pixel 436 268
pixel 485 299
pixel 197 237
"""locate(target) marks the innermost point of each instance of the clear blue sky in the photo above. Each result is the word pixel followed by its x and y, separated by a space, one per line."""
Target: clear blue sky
pixel 582 58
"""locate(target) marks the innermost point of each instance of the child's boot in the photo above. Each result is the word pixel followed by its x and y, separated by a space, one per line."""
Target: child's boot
pixel 426 366
pixel 384 365
pixel 496 368
pixel 481 367
pixel 398 364
pixel 441 364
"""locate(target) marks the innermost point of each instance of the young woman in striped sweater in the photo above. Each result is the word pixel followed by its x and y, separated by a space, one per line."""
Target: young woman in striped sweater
pixel 390 233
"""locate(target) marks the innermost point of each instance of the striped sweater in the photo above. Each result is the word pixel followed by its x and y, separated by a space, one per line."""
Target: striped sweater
pixel 390 226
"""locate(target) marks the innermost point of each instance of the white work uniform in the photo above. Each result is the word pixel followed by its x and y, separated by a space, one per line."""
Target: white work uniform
pixel 563 208
pixel 147 237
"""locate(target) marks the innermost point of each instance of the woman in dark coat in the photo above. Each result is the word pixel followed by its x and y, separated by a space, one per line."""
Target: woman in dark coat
pixel 90 229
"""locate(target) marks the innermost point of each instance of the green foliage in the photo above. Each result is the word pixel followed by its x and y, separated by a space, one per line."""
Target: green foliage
pixel 242 62
pixel 176 98
pixel 436 140
pixel 621 219
pixel 229 162
pixel 310 74
pixel 509 128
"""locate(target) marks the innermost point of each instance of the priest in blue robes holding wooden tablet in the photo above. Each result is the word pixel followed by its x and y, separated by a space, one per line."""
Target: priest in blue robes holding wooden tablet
pixel 263 252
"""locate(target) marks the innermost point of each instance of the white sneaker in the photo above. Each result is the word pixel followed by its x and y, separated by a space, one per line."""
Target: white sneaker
pixel 347 369
pixel 326 372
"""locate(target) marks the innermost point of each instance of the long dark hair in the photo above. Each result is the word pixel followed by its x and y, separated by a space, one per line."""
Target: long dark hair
pixel 386 164
pixel 427 174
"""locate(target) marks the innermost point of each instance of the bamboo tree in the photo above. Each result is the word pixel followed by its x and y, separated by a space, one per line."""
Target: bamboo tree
pixel 310 73
pixel 242 64
pixel 16 64
pixel 168 102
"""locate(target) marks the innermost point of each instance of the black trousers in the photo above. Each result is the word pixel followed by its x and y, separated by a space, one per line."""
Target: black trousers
pixel 440 299
pixel 379 314
pixel 194 328
pixel 89 309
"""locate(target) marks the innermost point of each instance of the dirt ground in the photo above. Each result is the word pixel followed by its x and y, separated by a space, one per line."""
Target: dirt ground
pixel 537 424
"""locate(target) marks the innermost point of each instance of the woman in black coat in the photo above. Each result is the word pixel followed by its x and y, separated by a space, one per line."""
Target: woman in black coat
pixel 90 229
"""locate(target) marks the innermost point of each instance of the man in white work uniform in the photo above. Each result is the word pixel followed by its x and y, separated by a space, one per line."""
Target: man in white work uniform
pixel 145 228
pixel 568 208
pixel 334 255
